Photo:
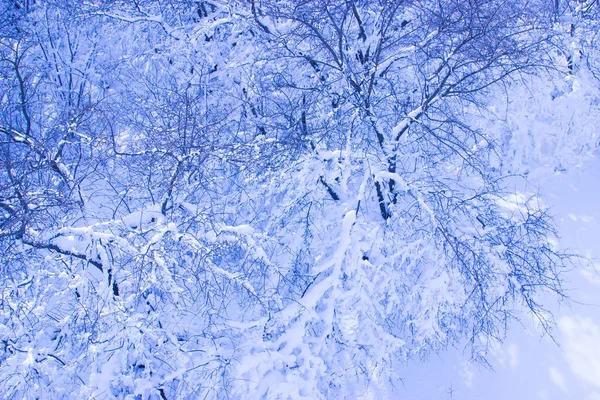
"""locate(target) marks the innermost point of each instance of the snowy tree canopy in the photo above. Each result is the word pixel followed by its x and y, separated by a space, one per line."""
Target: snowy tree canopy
pixel 278 199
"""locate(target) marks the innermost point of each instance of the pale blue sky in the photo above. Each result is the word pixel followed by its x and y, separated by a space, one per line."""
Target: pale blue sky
pixel 527 366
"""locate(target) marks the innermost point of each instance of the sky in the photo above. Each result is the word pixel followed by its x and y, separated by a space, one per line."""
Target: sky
pixel 529 365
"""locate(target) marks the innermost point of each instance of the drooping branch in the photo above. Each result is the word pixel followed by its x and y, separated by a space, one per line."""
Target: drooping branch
pixel 57 249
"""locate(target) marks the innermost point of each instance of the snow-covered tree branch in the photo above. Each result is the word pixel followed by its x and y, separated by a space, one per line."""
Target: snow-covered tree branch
pixel 277 199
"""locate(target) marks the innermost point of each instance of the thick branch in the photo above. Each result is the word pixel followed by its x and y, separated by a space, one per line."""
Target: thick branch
pixel 57 249
pixel 83 257
pixel 382 206
pixel 331 192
